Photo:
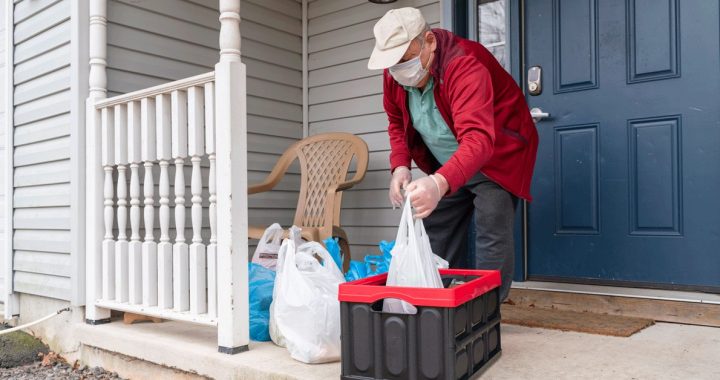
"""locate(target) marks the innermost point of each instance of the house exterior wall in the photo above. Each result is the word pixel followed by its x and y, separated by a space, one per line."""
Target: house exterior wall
pixel 42 148
pixel 345 96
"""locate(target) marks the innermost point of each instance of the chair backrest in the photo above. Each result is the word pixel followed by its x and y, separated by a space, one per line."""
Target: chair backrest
pixel 324 164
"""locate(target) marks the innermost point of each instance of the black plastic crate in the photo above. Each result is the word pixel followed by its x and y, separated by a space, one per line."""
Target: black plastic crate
pixel 440 341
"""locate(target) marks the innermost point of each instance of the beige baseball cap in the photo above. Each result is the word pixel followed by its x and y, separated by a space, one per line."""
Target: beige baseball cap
pixel 393 34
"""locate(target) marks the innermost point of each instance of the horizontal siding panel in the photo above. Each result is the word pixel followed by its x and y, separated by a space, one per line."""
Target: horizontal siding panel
pixel 274 91
pixel 42 174
pixel 340 73
pixel 323 7
pixel 256 30
pixel 48 40
pixel 370 235
pixel 357 124
pixel 268 144
pixel 52 105
pixel 25 9
pixel 42 218
pixel 355 15
pixel 42 241
pixel 270 54
pixel 264 162
pixel 271 108
pixel 57 264
pixel 377 217
pixel 339 55
pixel 275 127
pixel 159 67
pixel 42 21
pixel 45 63
pixel 54 82
pixel 160 24
pixel 42 196
pixel 377 141
pixel 365 199
pixel 121 82
pixel 164 46
pixel 272 19
pixel 272 73
pixel 273 200
pixel 347 90
pixel 344 108
pixel 181 10
pixel 266 217
pixel 42 130
pixel 286 7
pixel 42 285
pixel 46 151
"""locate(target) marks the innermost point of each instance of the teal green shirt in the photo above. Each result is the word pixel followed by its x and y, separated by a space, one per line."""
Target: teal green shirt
pixel 428 121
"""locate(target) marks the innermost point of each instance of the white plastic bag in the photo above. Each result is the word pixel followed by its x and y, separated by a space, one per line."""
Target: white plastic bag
pixel 413 262
pixel 305 308
pixel 268 247
pixel 295 235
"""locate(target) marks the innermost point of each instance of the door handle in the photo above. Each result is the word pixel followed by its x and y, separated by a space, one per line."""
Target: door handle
pixel 538 114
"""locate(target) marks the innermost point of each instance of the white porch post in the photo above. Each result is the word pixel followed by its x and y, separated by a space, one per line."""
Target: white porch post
pixel 93 169
pixel 232 218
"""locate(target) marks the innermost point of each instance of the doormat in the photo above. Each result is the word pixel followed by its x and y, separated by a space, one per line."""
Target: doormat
pixel 566 320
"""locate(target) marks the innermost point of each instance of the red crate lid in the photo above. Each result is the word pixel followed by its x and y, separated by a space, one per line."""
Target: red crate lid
pixel 372 289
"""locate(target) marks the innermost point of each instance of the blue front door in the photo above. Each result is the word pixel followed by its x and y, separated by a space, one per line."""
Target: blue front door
pixel 627 182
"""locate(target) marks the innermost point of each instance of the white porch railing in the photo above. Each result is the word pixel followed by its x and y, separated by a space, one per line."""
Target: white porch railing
pixel 160 274
pixel 198 127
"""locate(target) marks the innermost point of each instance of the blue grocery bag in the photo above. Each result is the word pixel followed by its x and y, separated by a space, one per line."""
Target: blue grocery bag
pixel 262 281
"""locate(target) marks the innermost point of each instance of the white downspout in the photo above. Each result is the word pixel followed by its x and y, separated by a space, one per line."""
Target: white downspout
pixel 305 83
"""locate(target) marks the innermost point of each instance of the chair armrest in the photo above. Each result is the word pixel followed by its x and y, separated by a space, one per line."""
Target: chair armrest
pixel 359 176
pixel 277 173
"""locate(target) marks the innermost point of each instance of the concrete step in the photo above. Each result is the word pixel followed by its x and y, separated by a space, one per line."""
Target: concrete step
pixel 185 351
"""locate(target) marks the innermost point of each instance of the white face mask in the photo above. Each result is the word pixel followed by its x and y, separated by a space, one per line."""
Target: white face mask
pixel 411 72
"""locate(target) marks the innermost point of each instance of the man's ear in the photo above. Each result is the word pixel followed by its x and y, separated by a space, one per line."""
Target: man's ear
pixel 430 39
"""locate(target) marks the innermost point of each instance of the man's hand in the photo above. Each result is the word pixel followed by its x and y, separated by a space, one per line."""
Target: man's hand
pixel 425 193
pixel 401 177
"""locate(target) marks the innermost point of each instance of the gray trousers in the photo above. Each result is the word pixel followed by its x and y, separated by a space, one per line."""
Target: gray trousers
pixel 494 211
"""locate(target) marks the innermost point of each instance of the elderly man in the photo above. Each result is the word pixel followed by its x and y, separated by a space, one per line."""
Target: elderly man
pixel 461 117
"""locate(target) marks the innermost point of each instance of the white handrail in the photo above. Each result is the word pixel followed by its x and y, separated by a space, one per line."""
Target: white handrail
pixel 165 88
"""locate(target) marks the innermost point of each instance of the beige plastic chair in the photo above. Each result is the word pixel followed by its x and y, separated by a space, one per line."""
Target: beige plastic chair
pixel 324 165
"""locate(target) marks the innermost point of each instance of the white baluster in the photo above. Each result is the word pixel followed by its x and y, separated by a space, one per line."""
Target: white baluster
pixel 196 149
pixel 135 246
pixel 165 248
pixel 108 245
pixel 149 246
pixel 181 271
pixel 212 186
pixel 121 246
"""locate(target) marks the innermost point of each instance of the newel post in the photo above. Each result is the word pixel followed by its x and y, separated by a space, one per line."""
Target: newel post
pixel 232 206
pixel 93 169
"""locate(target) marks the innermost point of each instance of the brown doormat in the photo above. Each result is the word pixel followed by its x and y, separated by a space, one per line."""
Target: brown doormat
pixel 592 323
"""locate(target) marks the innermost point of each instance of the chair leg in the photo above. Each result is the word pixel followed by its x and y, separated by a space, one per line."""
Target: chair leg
pixel 345 248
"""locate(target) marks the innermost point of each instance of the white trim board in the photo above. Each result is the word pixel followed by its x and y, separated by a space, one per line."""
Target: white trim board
pixel 656 294
pixel 12 305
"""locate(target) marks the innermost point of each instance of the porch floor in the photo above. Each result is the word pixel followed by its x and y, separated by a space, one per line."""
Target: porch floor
pixel 662 351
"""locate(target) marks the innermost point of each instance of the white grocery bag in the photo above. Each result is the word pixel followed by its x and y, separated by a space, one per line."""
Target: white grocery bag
pixel 413 262
pixel 295 235
pixel 268 247
pixel 305 307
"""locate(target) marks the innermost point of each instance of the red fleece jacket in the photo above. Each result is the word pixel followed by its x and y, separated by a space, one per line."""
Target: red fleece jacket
pixel 485 110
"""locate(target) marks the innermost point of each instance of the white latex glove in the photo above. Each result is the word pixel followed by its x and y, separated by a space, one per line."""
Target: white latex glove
pixel 401 177
pixel 425 193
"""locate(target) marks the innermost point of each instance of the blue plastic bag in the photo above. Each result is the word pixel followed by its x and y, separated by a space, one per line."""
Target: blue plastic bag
pixel 262 281
pixel 333 247
pixel 372 264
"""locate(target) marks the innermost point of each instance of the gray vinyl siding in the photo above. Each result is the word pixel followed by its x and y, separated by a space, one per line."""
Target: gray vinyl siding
pixel 42 148
pixel 154 42
pixel 345 96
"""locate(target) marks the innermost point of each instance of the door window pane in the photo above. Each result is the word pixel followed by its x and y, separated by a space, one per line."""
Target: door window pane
pixel 492 29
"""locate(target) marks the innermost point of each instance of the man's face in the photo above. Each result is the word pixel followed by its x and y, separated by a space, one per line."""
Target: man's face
pixel 418 48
